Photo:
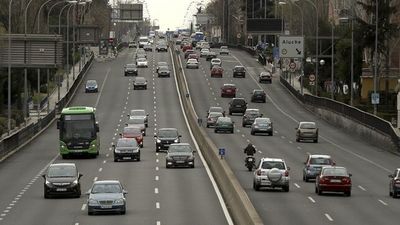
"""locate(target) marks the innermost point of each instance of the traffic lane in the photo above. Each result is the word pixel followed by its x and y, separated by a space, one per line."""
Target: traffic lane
pixel 176 186
pixel 234 145
pixel 49 141
pixel 378 187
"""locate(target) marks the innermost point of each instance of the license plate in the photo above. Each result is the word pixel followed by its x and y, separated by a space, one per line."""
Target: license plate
pixel 335 181
pixel 180 161
pixel 239 106
pixel 263 129
pixel 265 182
pixel 61 189
pixel 106 206
pixel 127 157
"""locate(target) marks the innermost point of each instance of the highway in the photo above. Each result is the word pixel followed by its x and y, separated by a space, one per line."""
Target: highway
pixel 370 166
pixel 155 195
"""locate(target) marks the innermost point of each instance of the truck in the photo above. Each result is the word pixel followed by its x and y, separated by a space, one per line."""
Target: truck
pixel 143 40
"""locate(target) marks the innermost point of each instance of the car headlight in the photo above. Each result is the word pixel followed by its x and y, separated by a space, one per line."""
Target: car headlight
pixel 176 140
pixel 158 141
pixel 74 183
pixel 93 145
pixel 117 151
pixel 119 201
pixel 92 202
pixel 49 184
pixel 256 126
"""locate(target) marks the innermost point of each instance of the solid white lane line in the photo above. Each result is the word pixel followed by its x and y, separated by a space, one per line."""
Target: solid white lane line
pixel 156 190
pixel 156 178
pixel 101 89
pixel 311 199
pixel 383 203
pixel 157 205
pixel 100 169
pixel 83 207
pixel 359 186
pixel 295 184
pixel 328 216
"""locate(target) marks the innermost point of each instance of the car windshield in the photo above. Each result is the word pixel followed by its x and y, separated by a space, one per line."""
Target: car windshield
pixel 334 172
pixel 162 64
pixel 132 131
pixel 229 86
pixel 126 142
pixel 141 60
pixel 138 120
pixel 140 79
pixel 138 113
pixel 224 47
pixel 192 61
pixel 265 74
pixel 270 165
pixel 224 120
pixel 167 133
pixel 308 126
pixel 130 66
pixel 179 148
pixel 257 92
pixel 91 82
pixel 215 114
pixel 61 171
pixel 215 61
pixel 320 161
pixel 239 68
pixel 106 188
pixel 262 120
pixel 216 109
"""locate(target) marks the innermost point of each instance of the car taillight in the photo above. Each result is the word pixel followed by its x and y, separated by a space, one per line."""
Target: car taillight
pixel 346 180
pixel 397 181
pixel 323 180
pixel 258 172
pixel 286 173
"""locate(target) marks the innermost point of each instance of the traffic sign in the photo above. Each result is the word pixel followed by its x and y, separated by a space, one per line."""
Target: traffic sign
pixel 291 46
pixel 221 152
pixel 292 67
pixel 311 77
pixel 311 83
pixel 375 98
pixel 238 35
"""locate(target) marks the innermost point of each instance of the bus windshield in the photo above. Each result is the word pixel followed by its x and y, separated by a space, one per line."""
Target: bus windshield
pixel 78 127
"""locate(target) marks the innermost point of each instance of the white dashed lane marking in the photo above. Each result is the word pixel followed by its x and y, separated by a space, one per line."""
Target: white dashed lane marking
pixel 359 186
pixel 83 207
pixel 383 203
pixel 157 205
pixel 155 190
pixel 295 184
pixel 328 217
pixel 311 199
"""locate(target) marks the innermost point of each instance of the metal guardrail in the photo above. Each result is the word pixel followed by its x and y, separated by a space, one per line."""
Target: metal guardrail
pixel 369 120
pixel 28 133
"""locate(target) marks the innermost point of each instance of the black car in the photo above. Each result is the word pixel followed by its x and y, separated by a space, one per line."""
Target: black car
pixel 239 71
pixel 394 184
pixel 126 148
pixel 91 86
pixel 160 64
pixel 148 48
pixel 237 105
pixel 62 179
pixel 180 154
pixel 165 137
pixel 224 124
pixel 258 96
pixel 211 55
pixel 140 83
pixel 249 116
pixel 131 70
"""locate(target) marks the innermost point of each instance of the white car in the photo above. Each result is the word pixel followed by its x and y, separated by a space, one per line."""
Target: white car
pixel 204 52
pixel 215 61
pixel 141 62
pixel 271 172
pixel 192 63
pixel 224 50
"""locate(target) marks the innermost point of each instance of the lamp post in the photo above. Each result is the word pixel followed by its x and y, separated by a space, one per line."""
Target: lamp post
pixel 316 45
pixel 48 17
pixel 40 9
pixel 376 52
pixel 9 70
pixel 281 4
pixel 26 69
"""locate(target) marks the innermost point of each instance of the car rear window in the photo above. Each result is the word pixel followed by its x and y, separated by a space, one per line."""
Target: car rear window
pixel 308 126
pixel 269 165
pixel 320 161
pixel 168 133
pixel 334 172
pixel 238 101
pixel 62 171
pixel 240 69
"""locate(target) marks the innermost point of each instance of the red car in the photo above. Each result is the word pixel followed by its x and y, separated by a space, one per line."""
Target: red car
pixel 228 90
pixel 188 52
pixel 217 71
pixel 333 179
pixel 186 47
pixel 133 132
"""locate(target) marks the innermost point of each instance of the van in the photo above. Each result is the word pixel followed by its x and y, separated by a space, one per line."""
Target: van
pixel 143 41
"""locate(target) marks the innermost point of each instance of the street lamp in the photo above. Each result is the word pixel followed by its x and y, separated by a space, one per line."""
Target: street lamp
pixel 40 9
pixel 376 52
pixel 9 70
pixel 282 3
pixel 316 45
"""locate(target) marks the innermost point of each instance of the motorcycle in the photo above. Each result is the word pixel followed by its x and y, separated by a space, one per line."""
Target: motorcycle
pixel 250 162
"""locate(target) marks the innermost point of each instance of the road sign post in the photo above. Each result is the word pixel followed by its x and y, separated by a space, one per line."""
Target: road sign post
pixel 221 152
pixel 291 46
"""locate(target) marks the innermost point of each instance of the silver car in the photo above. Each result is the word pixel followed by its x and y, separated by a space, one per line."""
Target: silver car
pixel 271 172
pixel 141 62
pixel 140 113
pixel 262 125
pixel 137 122
pixel 192 63
pixel 307 131
pixel 212 118
pixel 106 196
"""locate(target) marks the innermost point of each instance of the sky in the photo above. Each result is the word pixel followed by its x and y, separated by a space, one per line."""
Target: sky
pixel 170 13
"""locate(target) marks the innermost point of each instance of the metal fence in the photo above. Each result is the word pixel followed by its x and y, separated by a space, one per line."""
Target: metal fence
pixel 355 114
pixel 11 143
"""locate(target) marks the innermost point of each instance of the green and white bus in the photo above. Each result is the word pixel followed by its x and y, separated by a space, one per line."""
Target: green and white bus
pixel 78 132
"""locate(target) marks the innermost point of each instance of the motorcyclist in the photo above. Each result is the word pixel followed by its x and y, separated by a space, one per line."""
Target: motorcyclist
pixel 250 150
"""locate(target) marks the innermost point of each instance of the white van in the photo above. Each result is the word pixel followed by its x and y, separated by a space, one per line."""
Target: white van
pixel 144 40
